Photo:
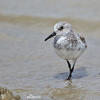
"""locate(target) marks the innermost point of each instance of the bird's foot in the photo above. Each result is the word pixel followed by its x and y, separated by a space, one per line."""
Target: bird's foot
pixel 68 79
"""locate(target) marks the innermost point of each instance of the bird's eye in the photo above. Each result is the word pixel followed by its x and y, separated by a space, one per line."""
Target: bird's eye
pixel 60 28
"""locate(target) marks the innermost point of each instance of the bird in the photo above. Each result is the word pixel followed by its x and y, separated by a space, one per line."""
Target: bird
pixel 68 44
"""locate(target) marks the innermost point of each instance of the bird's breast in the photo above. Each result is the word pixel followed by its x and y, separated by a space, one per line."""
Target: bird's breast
pixel 59 42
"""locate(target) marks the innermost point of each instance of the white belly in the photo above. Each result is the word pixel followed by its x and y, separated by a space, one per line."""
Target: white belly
pixel 70 54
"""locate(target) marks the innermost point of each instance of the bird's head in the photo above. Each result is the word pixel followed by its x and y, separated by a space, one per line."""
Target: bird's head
pixel 60 28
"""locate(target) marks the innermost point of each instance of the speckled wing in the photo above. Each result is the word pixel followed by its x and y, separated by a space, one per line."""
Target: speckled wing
pixel 84 41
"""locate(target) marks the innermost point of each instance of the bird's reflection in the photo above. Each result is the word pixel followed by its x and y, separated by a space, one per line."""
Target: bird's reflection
pixel 77 74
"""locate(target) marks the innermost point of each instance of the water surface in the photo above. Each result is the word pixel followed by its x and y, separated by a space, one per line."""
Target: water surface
pixel 28 65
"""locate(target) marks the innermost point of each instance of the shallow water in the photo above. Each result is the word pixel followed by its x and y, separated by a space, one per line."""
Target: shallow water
pixel 28 65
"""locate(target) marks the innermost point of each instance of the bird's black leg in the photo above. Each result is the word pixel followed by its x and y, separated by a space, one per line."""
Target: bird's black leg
pixel 71 69
pixel 69 65
pixel 73 66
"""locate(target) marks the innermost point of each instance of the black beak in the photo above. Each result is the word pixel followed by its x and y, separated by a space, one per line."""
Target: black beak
pixel 50 36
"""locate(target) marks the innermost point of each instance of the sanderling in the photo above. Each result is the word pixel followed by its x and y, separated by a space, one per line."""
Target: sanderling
pixel 68 44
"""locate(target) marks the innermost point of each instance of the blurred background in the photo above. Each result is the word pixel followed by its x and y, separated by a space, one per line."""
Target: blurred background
pixel 28 65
